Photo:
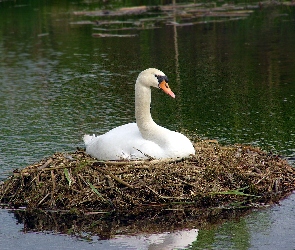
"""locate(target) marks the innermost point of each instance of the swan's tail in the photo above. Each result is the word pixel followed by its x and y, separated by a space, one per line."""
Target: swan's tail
pixel 87 139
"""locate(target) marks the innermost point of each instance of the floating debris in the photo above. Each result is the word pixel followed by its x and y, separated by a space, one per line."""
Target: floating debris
pixel 148 17
pixel 122 11
pixel 112 35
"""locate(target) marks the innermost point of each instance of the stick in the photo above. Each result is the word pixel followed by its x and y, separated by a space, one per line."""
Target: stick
pixel 43 199
pixel 141 162
pixel 45 164
pixel 53 187
pixel 164 197
pixel 115 178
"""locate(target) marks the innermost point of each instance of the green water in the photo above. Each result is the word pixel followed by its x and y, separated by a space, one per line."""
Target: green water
pixel 234 79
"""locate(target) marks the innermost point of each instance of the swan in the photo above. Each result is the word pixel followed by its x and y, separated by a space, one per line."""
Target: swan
pixel 143 139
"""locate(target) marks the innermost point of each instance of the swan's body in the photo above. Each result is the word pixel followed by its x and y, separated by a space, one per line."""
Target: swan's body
pixel 144 138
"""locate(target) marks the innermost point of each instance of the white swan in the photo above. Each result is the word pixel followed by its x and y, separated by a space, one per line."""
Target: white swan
pixel 144 138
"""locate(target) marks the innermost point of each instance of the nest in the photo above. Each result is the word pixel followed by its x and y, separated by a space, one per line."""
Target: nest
pixel 217 176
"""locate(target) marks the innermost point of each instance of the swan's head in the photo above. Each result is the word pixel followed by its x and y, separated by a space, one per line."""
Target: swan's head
pixel 155 78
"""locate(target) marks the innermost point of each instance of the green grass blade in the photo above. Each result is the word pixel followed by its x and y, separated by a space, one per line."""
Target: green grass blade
pixel 68 176
pixel 95 190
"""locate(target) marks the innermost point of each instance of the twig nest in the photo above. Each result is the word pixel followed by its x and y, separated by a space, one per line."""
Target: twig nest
pixel 227 176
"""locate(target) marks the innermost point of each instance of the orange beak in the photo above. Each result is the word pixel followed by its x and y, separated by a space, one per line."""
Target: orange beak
pixel 165 87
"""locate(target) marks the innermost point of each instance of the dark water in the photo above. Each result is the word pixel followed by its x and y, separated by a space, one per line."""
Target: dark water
pixel 234 80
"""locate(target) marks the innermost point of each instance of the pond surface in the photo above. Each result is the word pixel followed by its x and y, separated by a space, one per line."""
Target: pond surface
pixel 66 71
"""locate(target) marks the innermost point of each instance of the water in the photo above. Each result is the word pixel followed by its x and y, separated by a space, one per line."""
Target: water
pixel 234 81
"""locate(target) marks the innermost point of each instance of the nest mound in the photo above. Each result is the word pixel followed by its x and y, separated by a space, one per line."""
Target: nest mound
pixel 217 176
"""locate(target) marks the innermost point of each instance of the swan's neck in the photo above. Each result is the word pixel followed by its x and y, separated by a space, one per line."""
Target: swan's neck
pixel 144 120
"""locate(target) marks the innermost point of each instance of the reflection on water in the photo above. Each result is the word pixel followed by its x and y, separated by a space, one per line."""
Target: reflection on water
pixel 234 81
pixel 12 239
pixel 162 241
pixel 263 229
